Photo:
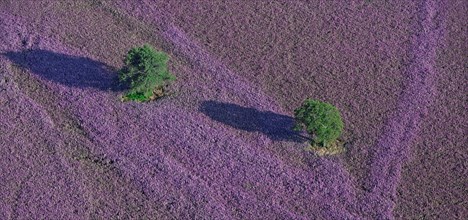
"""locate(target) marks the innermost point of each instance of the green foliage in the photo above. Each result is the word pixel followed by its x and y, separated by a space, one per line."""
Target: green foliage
pixel 145 70
pixel 320 119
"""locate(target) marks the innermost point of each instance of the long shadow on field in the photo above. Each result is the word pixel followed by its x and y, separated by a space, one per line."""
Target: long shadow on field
pixel 275 126
pixel 68 70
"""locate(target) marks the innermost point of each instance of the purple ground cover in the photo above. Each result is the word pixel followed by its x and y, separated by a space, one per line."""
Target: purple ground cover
pixel 392 148
pixel 222 146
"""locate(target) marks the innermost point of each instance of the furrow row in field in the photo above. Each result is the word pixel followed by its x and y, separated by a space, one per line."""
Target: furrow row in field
pixel 392 149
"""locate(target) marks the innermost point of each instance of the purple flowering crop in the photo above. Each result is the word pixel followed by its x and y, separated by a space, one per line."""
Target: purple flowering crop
pixel 222 146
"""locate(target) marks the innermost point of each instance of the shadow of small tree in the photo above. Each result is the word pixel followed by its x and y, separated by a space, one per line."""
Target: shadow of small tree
pixel 277 127
pixel 72 71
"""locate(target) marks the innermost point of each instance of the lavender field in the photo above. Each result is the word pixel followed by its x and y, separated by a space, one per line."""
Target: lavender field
pixel 221 146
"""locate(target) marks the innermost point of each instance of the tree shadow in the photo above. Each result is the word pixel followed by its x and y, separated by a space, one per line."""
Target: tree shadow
pixel 72 71
pixel 277 127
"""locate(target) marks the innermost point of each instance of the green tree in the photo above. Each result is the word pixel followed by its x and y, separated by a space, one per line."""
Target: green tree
pixel 321 120
pixel 145 74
